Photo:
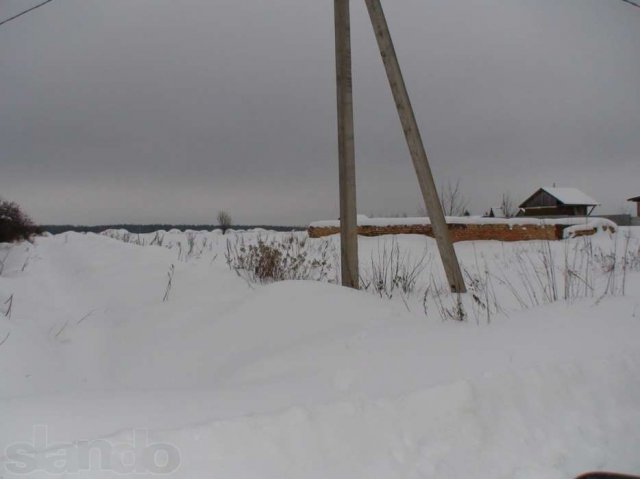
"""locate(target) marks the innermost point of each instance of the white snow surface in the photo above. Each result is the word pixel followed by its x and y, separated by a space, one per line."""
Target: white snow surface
pixel 303 378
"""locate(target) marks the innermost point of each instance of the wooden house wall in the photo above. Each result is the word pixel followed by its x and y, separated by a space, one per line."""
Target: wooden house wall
pixel 557 211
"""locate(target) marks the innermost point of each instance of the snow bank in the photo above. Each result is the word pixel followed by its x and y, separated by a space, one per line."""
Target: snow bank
pixel 307 379
pixel 593 225
pixel 548 421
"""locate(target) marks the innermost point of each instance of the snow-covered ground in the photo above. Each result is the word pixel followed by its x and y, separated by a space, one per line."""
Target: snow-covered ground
pixel 108 369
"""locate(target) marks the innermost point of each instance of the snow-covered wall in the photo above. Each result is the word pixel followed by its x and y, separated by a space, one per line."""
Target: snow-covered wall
pixel 473 228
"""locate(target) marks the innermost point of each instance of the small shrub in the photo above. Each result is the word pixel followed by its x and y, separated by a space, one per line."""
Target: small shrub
pixel 158 239
pixel 392 270
pixel 272 260
pixel 15 225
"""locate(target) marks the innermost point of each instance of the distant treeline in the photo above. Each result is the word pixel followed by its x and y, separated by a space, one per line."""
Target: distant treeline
pixel 54 229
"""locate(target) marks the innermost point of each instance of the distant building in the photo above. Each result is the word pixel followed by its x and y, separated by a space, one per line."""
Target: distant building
pixel 561 202
pixel 637 200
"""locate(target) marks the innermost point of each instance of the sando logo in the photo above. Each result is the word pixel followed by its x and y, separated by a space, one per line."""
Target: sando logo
pixel 135 455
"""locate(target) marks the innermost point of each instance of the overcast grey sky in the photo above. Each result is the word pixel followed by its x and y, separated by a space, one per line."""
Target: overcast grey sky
pixel 168 110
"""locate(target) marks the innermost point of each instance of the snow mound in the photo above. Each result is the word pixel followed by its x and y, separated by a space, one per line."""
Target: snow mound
pixel 601 225
pixel 515 424
pixel 305 378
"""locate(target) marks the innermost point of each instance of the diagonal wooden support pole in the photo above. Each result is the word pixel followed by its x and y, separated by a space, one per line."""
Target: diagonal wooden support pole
pixel 416 147
pixel 348 209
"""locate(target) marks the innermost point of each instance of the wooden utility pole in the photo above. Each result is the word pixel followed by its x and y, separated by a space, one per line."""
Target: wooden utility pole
pixel 348 209
pixel 416 147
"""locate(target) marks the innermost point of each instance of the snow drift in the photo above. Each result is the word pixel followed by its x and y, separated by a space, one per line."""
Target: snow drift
pixel 300 378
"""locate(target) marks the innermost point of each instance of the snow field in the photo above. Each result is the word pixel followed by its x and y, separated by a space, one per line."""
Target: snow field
pixel 306 378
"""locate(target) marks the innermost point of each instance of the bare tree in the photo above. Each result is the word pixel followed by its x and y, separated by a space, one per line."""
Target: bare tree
pixel 454 203
pixel 224 220
pixel 509 208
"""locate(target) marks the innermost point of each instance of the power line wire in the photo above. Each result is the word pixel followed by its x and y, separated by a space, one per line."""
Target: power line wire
pixel 7 20
pixel 22 13
pixel 631 3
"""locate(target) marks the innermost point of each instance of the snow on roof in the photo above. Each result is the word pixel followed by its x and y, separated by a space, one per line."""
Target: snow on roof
pixel 570 196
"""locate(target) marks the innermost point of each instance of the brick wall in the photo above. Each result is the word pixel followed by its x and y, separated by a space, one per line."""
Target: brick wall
pixel 459 231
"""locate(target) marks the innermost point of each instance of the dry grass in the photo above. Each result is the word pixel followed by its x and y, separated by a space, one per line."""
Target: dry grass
pixel 268 260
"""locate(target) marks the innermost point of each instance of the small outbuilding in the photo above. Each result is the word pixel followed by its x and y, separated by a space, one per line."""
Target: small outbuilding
pixel 637 200
pixel 558 202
